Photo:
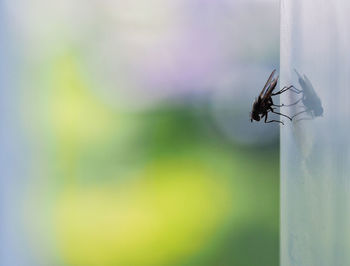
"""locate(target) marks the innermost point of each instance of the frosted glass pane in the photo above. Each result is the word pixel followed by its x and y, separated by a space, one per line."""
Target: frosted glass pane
pixel 315 149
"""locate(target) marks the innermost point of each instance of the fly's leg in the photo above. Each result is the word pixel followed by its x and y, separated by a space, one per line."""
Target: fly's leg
pixel 293 103
pixel 290 118
pixel 292 88
pixel 301 119
pixel 278 105
pixel 272 121
pixel 300 113
pixel 275 105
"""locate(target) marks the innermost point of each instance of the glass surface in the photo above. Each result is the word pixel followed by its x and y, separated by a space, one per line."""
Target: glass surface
pixel 315 199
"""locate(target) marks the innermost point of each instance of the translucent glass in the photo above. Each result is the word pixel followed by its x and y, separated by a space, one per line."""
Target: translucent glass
pixel 315 148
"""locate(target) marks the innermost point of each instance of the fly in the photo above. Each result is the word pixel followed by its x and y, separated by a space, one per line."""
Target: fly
pixel 264 103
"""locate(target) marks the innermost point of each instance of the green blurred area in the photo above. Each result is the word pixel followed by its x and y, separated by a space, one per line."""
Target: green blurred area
pixel 172 155
pixel 161 186
pixel 250 235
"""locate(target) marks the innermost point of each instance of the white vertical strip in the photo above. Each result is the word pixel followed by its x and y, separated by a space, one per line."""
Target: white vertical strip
pixel 315 152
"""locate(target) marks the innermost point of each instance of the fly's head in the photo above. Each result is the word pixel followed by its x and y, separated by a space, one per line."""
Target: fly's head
pixel 255 114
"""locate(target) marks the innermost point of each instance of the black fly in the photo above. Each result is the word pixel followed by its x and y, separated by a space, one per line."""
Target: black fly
pixel 264 104
pixel 310 99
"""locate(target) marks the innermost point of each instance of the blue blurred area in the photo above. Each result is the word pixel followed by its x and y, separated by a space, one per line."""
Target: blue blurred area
pixel 128 139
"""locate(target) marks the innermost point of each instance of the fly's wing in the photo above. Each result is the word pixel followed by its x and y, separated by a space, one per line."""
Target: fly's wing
pixel 314 101
pixel 309 86
pixel 305 83
pixel 301 80
pixel 267 83
pixel 270 89
pixel 299 76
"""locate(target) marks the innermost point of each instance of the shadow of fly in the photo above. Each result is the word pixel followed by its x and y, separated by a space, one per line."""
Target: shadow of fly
pixel 264 103
pixel 310 99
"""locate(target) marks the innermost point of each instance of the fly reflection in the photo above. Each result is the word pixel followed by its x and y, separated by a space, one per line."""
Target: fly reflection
pixel 311 102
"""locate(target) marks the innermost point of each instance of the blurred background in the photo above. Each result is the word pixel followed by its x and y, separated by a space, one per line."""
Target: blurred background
pixel 125 133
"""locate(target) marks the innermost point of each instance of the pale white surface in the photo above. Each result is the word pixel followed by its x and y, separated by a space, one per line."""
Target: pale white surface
pixel 315 153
